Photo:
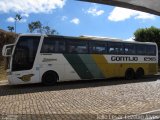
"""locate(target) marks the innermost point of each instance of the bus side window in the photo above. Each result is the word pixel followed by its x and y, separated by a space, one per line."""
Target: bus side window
pixel 110 48
pixel 98 47
pixel 115 48
pixel 61 46
pixel 71 47
pixel 151 50
pixel 129 49
pixel 140 49
pixel 48 45
pixel 79 47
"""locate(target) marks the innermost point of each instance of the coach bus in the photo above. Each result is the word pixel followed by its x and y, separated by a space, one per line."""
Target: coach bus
pixel 50 59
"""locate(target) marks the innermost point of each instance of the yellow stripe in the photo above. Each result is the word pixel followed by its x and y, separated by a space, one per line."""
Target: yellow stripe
pixel 102 64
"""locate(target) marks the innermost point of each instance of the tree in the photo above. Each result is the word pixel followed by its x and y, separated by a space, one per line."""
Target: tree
pixel 10 28
pixel 35 26
pixel 17 18
pixel 151 34
pixel 49 31
pixel 39 28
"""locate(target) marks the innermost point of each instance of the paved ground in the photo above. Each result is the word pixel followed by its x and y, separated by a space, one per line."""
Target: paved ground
pixel 79 100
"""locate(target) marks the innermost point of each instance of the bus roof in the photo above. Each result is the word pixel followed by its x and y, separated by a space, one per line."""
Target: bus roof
pixel 87 37
pixel 32 34
pixel 112 39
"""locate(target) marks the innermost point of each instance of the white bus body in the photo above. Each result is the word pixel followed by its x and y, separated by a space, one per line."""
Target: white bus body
pixel 48 59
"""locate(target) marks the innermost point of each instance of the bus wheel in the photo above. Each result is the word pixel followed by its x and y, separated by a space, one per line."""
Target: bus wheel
pixel 139 73
pixel 49 78
pixel 129 75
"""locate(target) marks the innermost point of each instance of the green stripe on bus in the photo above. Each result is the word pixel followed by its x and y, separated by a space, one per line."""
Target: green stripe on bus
pixel 78 66
pixel 92 66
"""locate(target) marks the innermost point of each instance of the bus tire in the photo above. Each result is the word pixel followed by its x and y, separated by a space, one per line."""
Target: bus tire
pixel 129 74
pixel 139 73
pixel 49 78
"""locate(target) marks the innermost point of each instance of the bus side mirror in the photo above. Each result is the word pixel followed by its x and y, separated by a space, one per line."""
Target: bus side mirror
pixel 7 50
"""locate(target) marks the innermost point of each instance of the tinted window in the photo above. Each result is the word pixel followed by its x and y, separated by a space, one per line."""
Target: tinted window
pixel 115 48
pixel 61 46
pixel 49 45
pixel 129 49
pixel 53 45
pixel 25 52
pixel 98 47
pixel 150 49
pixel 140 49
pixel 77 47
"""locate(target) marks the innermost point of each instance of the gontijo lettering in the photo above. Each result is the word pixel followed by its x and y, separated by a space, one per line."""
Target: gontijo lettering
pixel 121 58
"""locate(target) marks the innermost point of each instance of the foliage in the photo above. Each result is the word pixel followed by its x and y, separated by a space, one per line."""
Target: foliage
pixel 34 26
pixel 49 31
pixel 151 34
pixel 10 28
pixel 17 18
pixel 37 27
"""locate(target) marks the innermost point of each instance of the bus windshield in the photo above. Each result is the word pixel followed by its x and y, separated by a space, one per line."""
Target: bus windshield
pixel 25 52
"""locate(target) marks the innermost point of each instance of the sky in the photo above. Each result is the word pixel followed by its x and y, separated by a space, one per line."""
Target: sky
pixel 76 18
